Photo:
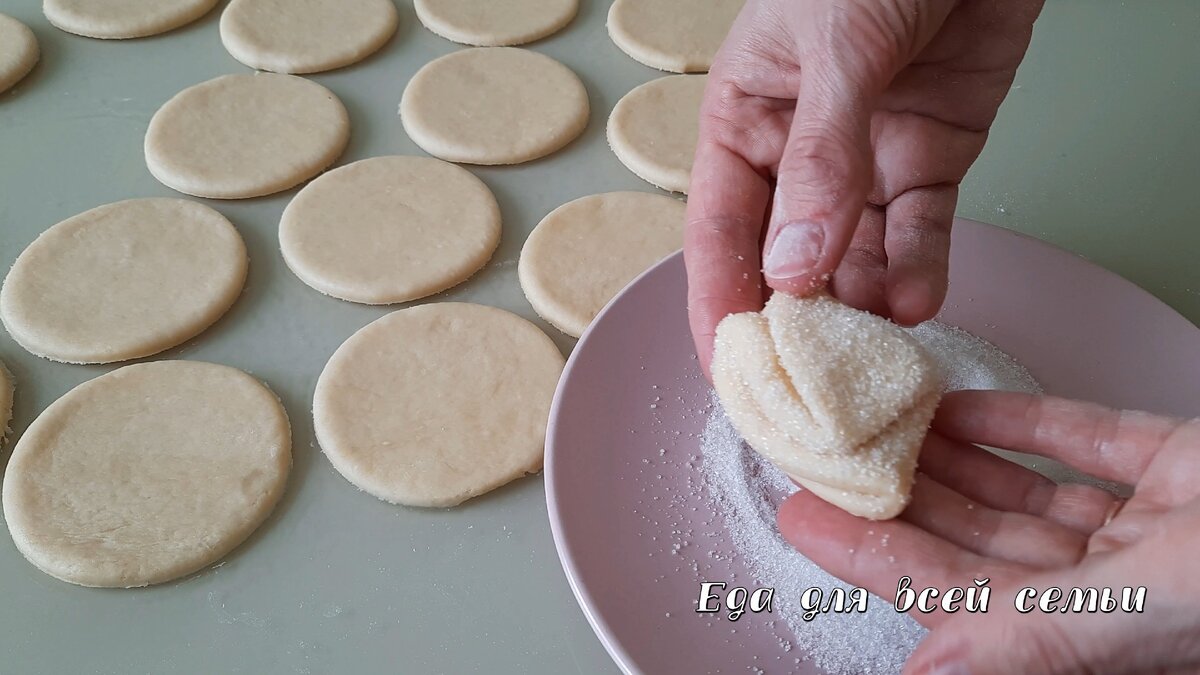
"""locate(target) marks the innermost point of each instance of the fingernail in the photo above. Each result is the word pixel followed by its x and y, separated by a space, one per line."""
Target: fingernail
pixel 796 250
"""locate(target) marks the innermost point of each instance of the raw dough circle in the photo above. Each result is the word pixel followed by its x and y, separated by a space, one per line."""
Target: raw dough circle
pixel 679 36
pixel 436 404
pixel 120 19
pixel 147 473
pixel 495 23
pixel 123 280
pixel 495 105
pixel 390 229
pixel 285 36
pixel 587 250
pixel 653 130
pixel 7 385
pixel 18 51
pixel 239 136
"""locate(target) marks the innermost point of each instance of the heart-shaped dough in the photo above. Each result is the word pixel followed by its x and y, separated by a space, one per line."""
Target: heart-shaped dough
pixel 838 398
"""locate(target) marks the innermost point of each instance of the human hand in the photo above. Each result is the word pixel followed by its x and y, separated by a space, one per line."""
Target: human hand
pixel 975 515
pixel 862 117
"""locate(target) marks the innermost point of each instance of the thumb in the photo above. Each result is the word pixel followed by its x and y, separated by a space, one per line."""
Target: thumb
pixel 825 174
pixel 826 170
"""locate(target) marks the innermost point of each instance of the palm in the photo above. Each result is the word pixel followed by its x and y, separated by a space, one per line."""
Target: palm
pixel 975 515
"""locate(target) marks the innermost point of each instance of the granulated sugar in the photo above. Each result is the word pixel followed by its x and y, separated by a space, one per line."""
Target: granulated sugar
pixel 970 362
pixel 747 491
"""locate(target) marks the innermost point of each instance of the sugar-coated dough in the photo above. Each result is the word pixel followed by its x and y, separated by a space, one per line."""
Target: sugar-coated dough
pixel 495 105
pixel 147 473
pixel 7 385
pixel 239 136
pixel 120 19
pixel 390 229
pixel 123 280
pixel 285 36
pixel 495 23
pixel 653 130
pixel 439 403
pixel 838 398
pixel 585 251
pixel 18 51
pixel 679 36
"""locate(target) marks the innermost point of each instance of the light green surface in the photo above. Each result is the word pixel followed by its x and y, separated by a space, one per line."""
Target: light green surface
pixel 1097 150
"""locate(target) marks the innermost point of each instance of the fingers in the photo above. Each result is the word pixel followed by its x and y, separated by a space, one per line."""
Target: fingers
pixel 725 211
pixel 917 243
pixel 876 554
pixel 1109 444
pixel 1005 535
pixel 996 482
pixel 823 179
pixel 860 278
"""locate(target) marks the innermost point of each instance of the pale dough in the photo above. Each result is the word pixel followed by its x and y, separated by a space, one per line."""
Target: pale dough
pixel 585 251
pixel 838 398
pixel 653 130
pixel 285 36
pixel 147 473
pixel 390 229
pixel 7 386
pixel 123 280
pixel 239 136
pixel 120 19
pixel 496 105
pixel 439 403
pixel 495 23
pixel 680 36
pixel 18 51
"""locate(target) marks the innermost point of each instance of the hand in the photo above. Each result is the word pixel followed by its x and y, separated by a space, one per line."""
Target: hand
pixel 863 116
pixel 975 516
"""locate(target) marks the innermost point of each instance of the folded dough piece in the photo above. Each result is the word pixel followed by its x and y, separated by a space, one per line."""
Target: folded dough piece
pixel 838 398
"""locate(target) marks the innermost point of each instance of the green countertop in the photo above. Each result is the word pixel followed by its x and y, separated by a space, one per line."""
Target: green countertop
pixel 1096 150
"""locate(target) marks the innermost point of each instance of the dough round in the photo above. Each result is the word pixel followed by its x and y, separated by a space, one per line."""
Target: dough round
pixel 286 36
pixel 495 23
pixel 120 19
pixel 497 105
pixel 390 229
pixel 123 280
pixel 679 36
pixel 147 474
pixel 653 130
pixel 239 136
pixel 7 386
pixel 586 251
pixel 436 404
pixel 18 51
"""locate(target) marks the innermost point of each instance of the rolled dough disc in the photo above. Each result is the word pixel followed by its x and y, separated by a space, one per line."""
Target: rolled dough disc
pixel 239 136
pixel 285 36
pixel 439 403
pixel 498 105
pixel 123 280
pixel 18 51
pixel 390 229
pixel 495 23
pixel 653 130
pixel 119 19
pixel 7 386
pixel 587 250
pixel 679 36
pixel 147 473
